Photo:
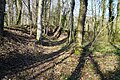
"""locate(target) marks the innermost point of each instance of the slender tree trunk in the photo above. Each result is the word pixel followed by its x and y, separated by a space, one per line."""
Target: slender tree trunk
pixel 45 11
pixel 58 12
pixel 34 11
pixel 30 17
pixel 59 18
pixel 37 1
pixel 23 17
pixel 19 10
pixel 95 20
pixel 12 12
pixel 111 17
pixel 71 35
pixel 103 10
pixel 8 13
pixel 2 10
pixel 49 5
pixel 81 22
pixel 39 20
pixel 59 27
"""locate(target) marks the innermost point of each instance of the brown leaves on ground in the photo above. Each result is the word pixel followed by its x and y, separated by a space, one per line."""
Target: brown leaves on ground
pixel 22 59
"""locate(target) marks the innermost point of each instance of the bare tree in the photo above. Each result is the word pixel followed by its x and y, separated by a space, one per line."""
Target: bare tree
pixel 81 22
pixel 111 17
pixel 71 35
pixel 30 17
pixel 10 12
pixel 103 10
pixel 18 10
pixel 39 20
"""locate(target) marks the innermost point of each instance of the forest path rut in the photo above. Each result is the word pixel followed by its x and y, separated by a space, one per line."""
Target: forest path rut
pixel 22 58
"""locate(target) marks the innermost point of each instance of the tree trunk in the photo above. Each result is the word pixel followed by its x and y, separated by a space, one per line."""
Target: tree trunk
pixel 58 12
pixel 49 5
pixel 39 20
pixel 71 35
pixel 18 10
pixel 45 11
pixel 103 10
pixel 30 17
pixel 81 22
pixel 111 17
pixel 34 11
pixel 9 13
pixel 2 10
pixel 59 18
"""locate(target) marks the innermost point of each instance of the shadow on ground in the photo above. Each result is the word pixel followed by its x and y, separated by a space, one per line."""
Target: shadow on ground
pixel 86 54
pixel 14 62
pixel 24 30
pixel 17 37
pixel 47 42
pixel 114 75
pixel 77 73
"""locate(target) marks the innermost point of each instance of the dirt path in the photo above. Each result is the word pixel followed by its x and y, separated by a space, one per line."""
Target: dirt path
pixel 22 59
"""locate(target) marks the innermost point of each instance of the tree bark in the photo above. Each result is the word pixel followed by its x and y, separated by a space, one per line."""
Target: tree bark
pixel 71 35
pixel 2 10
pixel 18 10
pixel 30 17
pixel 39 20
pixel 34 11
pixel 103 10
pixel 49 5
pixel 81 22
pixel 111 17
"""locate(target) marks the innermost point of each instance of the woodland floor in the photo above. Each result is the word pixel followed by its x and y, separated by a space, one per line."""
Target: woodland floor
pixel 21 58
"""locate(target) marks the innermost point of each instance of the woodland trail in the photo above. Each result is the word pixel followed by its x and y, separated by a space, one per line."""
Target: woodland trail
pixel 21 58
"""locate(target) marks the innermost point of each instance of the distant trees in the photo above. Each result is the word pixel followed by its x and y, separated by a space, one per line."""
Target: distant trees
pixel 103 11
pixel 2 10
pixel 57 17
